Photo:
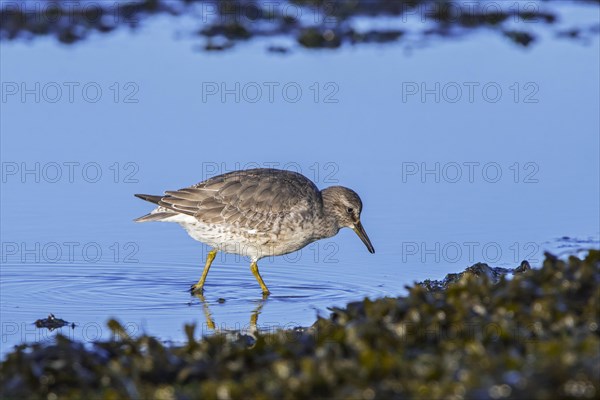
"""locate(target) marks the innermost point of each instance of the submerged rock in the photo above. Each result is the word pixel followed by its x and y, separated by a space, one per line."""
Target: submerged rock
pixel 535 335
pixel 51 322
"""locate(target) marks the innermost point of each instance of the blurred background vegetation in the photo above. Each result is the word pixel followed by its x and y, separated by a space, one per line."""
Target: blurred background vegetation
pixel 311 23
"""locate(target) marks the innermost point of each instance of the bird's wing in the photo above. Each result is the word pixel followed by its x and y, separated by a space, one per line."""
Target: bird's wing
pixel 245 198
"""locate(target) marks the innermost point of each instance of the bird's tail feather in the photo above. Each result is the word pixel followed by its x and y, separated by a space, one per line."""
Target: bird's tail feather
pixel 156 216
pixel 149 197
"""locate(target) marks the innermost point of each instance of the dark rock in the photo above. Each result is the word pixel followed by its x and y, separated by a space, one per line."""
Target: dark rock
pixel 51 323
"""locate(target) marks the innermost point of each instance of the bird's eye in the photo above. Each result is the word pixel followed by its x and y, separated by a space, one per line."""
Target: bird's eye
pixel 349 209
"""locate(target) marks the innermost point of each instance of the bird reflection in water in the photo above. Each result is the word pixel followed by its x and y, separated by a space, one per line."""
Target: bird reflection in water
pixel 249 333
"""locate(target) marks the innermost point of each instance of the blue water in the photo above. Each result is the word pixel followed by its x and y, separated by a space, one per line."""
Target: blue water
pixel 448 177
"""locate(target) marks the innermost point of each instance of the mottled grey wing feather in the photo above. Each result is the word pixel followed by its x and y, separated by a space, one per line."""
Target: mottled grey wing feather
pixel 252 198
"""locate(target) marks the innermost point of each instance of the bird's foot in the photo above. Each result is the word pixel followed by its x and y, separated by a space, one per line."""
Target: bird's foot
pixel 196 289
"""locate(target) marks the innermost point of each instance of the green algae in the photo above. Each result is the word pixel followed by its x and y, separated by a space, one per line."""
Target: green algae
pixel 532 334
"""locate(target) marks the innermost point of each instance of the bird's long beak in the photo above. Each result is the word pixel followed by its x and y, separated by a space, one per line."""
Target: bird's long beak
pixel 360 231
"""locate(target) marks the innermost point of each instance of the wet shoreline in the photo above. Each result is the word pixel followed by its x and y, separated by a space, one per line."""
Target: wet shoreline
pixel 483 333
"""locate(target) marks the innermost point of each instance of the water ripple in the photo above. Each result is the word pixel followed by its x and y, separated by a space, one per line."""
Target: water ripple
pixel 155 297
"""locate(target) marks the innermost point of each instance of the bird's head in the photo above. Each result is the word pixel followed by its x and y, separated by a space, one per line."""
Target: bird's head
pixel 345 206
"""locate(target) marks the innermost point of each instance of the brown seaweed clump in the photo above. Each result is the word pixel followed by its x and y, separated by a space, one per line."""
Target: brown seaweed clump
pixel 534 335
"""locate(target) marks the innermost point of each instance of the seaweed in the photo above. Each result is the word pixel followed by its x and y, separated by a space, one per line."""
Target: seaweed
pixel 532 333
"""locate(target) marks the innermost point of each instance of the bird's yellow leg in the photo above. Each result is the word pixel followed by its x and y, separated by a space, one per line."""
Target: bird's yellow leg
pixel 199 287
pixel 254 269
